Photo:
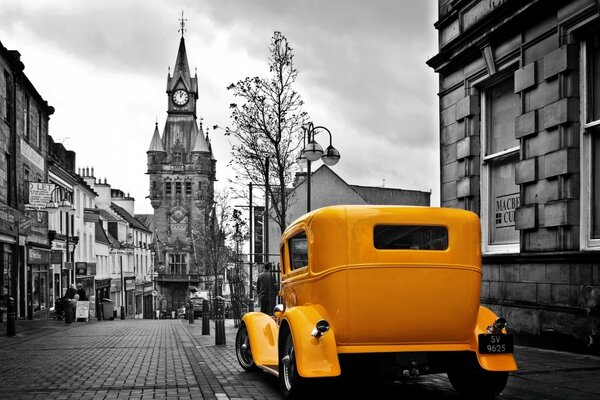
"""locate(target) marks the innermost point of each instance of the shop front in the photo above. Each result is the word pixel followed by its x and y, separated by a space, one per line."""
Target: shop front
pixel 139 295
pixel 84 275
pixel 148 300
pixel 8 250
pixel 130 297
pixel 102 294
pixel 38 268
pixel 116 295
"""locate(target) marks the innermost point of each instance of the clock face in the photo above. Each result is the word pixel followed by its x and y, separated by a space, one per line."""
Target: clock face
pixel 180 97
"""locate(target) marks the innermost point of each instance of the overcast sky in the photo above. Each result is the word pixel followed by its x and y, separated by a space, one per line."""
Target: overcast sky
pixel 103 66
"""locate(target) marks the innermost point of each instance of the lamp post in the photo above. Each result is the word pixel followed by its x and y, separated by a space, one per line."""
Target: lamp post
pixel 312 151
pixel 154 274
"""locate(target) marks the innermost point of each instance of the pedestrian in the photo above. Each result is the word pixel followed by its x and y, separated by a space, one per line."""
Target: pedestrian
pixel 71 292
pixel 4 301
pixel 81 292
pixel 265 286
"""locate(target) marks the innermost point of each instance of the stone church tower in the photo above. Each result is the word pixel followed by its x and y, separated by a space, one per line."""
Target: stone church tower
pixel 181 168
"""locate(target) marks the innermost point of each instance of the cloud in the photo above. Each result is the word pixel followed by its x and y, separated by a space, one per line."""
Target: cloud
pixel 362 74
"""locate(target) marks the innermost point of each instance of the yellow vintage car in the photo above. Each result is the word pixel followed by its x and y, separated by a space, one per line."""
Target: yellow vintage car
pixel 389 288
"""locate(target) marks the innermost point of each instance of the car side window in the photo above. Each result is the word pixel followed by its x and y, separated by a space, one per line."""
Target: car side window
pixel 298 248
pixel 282 261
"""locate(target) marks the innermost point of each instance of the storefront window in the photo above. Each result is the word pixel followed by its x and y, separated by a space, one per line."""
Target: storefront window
pixel 39 292
pixel 590 188
pixel 500 195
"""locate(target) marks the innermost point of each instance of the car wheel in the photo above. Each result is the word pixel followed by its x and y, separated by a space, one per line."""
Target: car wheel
pixel 474 382
pixel 293 386
pixel 243 350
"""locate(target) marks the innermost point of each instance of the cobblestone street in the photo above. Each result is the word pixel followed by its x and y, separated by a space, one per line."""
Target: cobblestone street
pixel 170 359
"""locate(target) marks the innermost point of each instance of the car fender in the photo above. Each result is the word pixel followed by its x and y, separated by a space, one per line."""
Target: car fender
pixel 263 332
pixel 490 362
pixel 315 357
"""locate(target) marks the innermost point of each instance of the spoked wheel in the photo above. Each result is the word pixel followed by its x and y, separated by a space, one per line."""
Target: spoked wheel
pixel 473 382
pixel 242 349
pixel 293 386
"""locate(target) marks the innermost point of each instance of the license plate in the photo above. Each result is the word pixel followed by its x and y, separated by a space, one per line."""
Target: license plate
pixel 495 344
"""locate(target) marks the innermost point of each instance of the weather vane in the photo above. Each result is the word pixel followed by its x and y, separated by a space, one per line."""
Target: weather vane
pixel 182 30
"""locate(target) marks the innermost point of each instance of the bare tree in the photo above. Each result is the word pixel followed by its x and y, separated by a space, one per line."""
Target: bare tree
pixel 267 128
pixel 212 236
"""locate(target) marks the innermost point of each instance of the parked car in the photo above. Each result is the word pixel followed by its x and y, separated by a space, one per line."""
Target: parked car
pixel 380 289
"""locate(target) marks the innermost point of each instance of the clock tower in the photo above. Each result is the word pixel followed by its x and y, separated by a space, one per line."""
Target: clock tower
pixel 181 168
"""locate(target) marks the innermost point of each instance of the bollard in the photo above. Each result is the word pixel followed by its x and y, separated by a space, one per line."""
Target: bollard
pixel 122 312
pixel 190 312
pixel 205 318
pixel 11 317
pixel 219 321
pixel 69 313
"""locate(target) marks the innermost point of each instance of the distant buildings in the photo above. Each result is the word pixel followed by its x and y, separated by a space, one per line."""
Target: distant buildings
pixel 520 146
pixel 57 226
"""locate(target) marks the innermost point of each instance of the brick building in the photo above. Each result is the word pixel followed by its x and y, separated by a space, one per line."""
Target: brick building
pixel 520 146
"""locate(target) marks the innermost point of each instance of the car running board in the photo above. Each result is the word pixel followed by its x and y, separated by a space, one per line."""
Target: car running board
pixel 271 369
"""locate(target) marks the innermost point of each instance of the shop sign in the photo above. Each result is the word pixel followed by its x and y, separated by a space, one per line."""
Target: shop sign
pixel 91 268
pixel 80 268
pixel 32 155
pixel 7 219
pixel 130 284
pixel 39 195
pixel 505 207
pixel 56 257
pixel 38 256
pixel 115 285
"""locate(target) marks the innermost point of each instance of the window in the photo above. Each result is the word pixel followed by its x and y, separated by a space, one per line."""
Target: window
pixel 9 97
pixel 500 196
pixel 168 188
pixel 177 263
pixel 39 129
pixel 26 117
pixel 590 187
pixel 188 188
pixel 177 187
pixel 26 185
pixel 298 246
pixel 410 237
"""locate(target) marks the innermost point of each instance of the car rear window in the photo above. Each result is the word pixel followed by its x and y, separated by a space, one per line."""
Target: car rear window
pixel 410 237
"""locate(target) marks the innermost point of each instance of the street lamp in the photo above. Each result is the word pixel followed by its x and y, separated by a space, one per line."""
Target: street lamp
pixel 312 151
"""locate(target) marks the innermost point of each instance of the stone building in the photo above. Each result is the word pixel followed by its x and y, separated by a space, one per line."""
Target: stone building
pixel 24 249
pixel 181 168
pixel 520 146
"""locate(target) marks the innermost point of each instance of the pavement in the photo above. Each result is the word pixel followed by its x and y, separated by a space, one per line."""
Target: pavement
pixel 171 359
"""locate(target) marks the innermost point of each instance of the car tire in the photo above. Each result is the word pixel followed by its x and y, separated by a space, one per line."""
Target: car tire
pixel 473 382
pixel 293 386
pixel 243 350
